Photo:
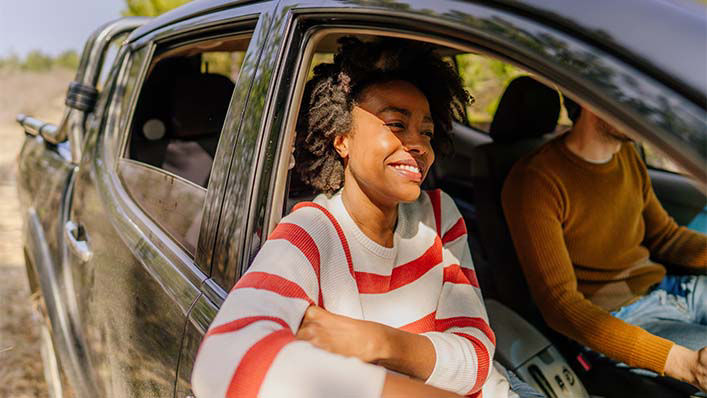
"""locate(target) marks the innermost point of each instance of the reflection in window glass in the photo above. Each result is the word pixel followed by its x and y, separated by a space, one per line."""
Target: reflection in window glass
pixel 173 203
pixel 223 63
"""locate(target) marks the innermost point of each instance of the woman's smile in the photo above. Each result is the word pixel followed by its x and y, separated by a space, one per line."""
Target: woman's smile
pixel 409 169
pixel 389 151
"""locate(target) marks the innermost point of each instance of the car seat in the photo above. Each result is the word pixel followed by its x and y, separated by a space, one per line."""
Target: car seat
pixel 525 119
pixel 179 118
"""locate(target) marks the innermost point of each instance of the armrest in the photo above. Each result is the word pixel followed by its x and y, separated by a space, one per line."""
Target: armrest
pixel 521 348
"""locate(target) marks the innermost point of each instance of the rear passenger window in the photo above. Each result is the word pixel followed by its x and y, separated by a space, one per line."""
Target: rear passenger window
pixel 174 132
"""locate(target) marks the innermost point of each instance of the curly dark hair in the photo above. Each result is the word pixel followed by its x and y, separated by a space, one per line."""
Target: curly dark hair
pixel 330 95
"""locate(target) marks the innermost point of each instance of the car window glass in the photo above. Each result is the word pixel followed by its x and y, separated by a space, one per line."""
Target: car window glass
pixel 656 160
pixel 174 132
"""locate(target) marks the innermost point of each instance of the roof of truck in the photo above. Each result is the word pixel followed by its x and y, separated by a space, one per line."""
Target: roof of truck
pixel 667 34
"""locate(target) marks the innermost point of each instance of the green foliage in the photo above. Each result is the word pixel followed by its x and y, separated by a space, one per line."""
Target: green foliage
pixel 485 79
pixel 37 61
pixel 68 59
pixel 150 8
pixel 222 63
pixel 11 61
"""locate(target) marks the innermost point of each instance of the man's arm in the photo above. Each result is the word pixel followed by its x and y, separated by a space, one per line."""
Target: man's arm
pixel 533 208
pixel 666 240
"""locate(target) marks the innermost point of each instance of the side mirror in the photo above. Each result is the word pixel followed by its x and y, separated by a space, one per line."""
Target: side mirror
pixel 82 93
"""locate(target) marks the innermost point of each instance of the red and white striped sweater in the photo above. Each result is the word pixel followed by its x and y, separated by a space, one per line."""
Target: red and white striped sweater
pixel 317 255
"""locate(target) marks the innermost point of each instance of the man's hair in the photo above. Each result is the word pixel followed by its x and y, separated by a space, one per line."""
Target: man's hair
pixel 329 98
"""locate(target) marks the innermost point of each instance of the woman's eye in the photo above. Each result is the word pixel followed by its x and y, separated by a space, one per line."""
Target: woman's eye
pixel 395 125
pixel 430 134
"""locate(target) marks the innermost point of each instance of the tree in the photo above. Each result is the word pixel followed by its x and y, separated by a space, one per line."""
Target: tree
pixel 11 61
pixel 68 59
pixel 151 8
pixel 37 61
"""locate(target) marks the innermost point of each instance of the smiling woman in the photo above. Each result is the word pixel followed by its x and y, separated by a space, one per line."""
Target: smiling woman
pixel 372 281
pixel 356 71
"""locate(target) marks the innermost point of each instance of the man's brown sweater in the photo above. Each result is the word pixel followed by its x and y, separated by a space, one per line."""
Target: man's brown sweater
pixel 585 235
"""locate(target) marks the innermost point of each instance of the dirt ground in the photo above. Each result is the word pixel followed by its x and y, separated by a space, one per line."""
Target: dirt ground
pixel 40 95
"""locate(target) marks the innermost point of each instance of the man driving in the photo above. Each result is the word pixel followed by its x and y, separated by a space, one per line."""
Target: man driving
pixel 594 243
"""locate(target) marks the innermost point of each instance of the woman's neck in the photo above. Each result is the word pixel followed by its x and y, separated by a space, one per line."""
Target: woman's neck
pixel 376 220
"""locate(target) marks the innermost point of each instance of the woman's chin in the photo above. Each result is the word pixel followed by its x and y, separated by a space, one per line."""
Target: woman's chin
pixel 408 193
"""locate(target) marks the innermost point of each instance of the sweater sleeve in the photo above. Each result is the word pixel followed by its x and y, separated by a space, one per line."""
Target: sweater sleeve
pixel 666 240
pixel 463 341
pixel 250 348
pixel 533 206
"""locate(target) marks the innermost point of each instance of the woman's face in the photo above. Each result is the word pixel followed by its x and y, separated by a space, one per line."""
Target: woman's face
pixel 388 152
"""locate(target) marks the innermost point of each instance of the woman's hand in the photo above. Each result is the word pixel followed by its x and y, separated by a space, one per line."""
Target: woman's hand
pixel 687 365
pixel 397 386
pixel 342 335
pixel 394 349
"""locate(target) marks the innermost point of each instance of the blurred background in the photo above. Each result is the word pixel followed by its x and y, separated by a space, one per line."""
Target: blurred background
pixel 40 46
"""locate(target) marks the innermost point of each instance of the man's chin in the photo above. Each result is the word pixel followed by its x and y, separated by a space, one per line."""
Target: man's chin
pixel 615 135
pixel 622 138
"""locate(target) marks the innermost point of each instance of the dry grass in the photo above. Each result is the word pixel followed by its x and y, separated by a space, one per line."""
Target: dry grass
pixel 40 95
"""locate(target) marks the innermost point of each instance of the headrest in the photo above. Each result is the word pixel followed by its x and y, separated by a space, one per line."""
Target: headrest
pixel 199 104
pixel 528 109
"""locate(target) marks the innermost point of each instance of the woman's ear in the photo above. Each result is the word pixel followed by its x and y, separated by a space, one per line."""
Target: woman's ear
pixel 341 144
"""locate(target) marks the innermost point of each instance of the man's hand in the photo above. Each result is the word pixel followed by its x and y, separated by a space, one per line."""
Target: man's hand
pixel 343 335
pixel 687 365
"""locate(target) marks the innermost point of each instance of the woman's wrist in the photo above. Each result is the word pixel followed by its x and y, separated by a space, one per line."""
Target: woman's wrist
pixel 385 346
pixel 408 353
pixel 400 386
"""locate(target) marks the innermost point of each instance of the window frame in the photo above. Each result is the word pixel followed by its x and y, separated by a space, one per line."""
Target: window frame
pixel 155 49
pixel 440 24
pixel 229 23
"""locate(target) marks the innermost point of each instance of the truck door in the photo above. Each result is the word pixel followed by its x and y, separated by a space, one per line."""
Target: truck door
pixel 150 180
pixel 47 167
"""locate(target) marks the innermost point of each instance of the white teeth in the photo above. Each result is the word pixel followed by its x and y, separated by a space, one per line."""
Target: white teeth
pixel 412 169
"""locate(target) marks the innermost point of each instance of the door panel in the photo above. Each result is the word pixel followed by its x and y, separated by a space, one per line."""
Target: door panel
pixel 175 202
pixel 135 288
pixel 680 198
pixel 235 170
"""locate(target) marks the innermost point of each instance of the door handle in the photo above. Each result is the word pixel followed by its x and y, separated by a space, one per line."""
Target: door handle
pixel 77 240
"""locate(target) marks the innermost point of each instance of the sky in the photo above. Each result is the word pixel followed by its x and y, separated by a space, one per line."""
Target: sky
pixel 52 26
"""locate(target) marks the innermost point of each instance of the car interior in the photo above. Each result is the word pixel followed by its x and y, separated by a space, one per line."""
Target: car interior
pixel 180 114
pixel 176 128
pixel 525 118
pixel 181 110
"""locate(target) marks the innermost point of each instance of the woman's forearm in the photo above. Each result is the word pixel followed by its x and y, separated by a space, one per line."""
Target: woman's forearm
pixel 397 386
pixel 408 353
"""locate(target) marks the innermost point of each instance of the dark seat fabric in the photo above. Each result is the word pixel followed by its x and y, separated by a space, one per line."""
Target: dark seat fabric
pixel 191 106
pixel 525 119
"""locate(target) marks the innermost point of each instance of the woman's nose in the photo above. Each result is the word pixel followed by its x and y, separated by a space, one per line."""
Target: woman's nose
pixel 415 141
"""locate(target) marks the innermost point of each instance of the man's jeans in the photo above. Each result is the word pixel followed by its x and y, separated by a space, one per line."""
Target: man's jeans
pixel 676 309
